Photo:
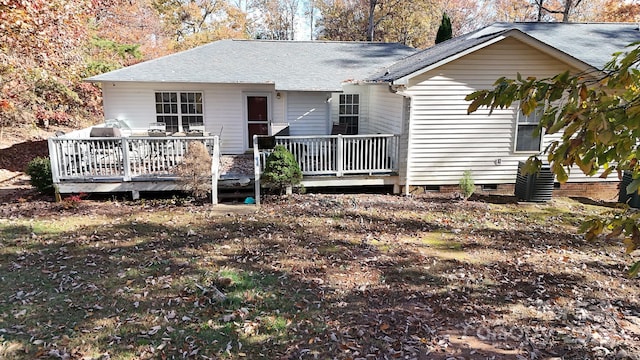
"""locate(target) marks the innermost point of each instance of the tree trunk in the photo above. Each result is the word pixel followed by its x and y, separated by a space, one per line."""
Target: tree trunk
pixel 312 7
pixel 371 24
pixel 565 11
pixel 540 8
pixel 567 8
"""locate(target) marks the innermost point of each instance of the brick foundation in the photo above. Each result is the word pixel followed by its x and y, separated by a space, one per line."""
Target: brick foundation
pixel 606 191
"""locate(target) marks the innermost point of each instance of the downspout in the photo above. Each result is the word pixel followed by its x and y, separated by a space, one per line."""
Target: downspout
pixel 401 90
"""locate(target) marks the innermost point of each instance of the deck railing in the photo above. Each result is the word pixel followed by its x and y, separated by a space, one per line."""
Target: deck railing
pixel 122 158
pixel 337 155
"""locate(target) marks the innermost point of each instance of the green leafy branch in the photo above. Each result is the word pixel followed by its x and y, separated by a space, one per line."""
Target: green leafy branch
pixel 598 117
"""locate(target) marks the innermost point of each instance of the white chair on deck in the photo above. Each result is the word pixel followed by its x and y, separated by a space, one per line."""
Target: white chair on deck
pixel 157 129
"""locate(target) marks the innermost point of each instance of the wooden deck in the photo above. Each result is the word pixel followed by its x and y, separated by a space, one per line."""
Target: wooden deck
pixel 123 164
pixel 80 163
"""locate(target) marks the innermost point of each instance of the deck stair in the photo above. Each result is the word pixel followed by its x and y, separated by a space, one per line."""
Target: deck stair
pixel 237 179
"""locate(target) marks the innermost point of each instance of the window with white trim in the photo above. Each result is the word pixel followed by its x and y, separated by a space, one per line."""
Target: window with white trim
pixel 178 110
pixel 526 138
pixel 349 114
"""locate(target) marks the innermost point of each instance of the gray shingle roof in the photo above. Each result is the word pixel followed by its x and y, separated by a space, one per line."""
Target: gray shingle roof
pixel 593 44
pixel 290 65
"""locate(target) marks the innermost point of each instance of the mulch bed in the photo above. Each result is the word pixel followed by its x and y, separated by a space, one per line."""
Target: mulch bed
pixel 16 157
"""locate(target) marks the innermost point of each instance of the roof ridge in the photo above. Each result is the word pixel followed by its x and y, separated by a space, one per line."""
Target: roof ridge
pixel 568 23
pixel 318 41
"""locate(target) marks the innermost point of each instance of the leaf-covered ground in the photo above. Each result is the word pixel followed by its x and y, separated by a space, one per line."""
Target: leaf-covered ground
pixel 312 276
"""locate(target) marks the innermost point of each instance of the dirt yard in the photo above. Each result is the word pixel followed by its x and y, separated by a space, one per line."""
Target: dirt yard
pixel 17 147
pixel 312 277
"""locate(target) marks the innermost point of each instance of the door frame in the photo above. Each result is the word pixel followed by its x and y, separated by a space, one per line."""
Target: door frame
pixel 245 114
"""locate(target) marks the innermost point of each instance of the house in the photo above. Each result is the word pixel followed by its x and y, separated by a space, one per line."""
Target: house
pixel 360 113
pixel 240 88
pixel 235 89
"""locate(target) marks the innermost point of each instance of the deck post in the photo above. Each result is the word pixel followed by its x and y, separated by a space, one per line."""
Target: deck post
pixel 53 158
pixel 215 168
pixel 256 168
pixel 126 163
pixel 340 157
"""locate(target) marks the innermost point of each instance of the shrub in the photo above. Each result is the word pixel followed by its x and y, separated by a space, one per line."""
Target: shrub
pixel 49 117
pixel 39 169
pixel 281 169
pixel 195 170
pixel 73 201
pixel 467 186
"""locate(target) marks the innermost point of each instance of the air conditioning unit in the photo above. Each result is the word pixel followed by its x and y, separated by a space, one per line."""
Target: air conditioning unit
pixel 632 199
pixel 536 187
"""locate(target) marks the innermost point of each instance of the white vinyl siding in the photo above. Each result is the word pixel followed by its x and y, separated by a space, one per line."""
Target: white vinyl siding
pixel 223 107
pixel 445 141
pixel 388 114
pixel 308 113
pixel 385 111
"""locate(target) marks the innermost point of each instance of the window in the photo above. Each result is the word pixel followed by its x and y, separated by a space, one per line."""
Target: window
pixel 349 112
pixel 179 110
pixel 526 138
pixel 166 106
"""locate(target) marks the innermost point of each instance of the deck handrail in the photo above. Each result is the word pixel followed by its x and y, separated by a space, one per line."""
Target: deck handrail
pixel 124 158
pixel 336 155
pixel 340 154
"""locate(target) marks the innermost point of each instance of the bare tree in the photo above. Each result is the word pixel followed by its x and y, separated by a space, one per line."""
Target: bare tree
pixel 311 13
pixel 342 20
pixel 379 10
pixel 540 4
pixel 276 18
pixel 371 22
pixel 564 10
pixel 467 15
pixel 408 22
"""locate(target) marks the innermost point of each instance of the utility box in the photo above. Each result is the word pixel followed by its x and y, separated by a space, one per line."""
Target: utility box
pixel 536 187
